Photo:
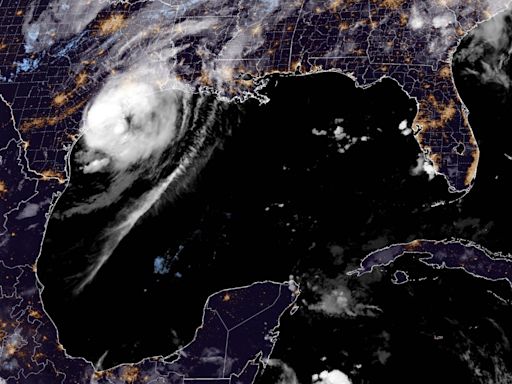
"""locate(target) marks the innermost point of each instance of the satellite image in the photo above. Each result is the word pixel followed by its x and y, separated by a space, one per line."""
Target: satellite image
pixel 255 192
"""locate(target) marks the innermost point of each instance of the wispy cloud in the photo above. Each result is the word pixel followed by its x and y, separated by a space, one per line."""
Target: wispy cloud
pixel 46 29
pixel 124 223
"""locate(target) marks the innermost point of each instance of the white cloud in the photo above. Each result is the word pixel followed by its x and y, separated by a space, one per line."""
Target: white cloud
pixel 132 118
pixel 442 21
pixel 334 302
pixel 319 132
pixel 30 210
pixel 331 377
pixel 416 21
pixel 405 130
pixel 423 166
pixel 339 133
pixel 96 165
pixel 488 52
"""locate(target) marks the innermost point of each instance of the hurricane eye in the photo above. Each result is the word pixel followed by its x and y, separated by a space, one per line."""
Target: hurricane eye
pixel 128 118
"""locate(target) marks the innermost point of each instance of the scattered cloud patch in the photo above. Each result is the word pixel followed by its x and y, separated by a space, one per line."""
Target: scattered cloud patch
pixel 337 300
pixel 160 266
pixel 321 132
pixel 404 128
pixel 344 140
pixel 27 65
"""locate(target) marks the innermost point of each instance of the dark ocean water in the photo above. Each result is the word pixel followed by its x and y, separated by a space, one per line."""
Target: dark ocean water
pixel 283 195
pixel 442 326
